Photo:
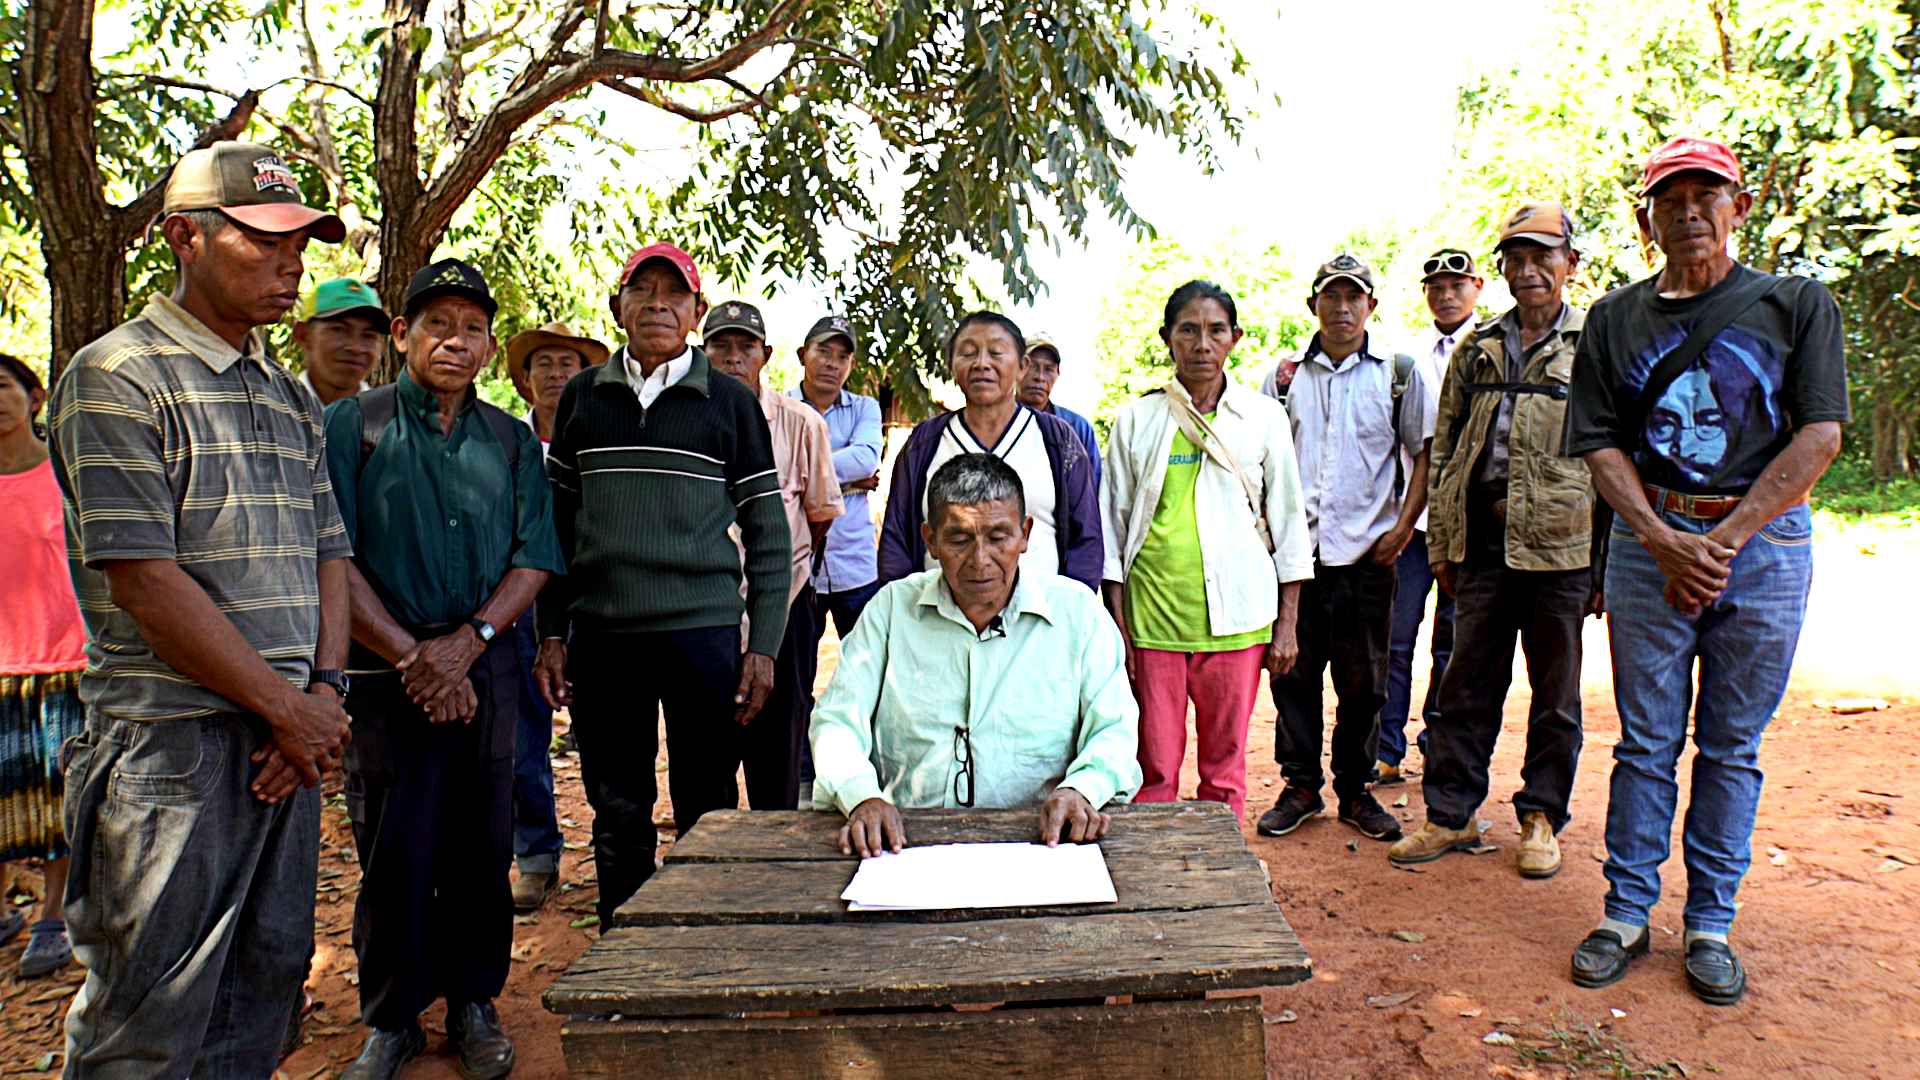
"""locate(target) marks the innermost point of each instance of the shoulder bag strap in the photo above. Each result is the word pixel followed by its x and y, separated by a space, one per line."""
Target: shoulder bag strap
pixel 1200 433
pixel 1713 320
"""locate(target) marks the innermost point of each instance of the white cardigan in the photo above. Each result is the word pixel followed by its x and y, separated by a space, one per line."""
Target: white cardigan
pixel 1242 579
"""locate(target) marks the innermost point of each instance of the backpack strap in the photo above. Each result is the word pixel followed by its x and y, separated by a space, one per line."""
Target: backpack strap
pixel 1402 378
pixel 380 405
pixel 503 424
pixel 1556 391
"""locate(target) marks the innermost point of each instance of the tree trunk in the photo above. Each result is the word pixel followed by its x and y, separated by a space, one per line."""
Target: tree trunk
pixel 83 236
pixel 80 233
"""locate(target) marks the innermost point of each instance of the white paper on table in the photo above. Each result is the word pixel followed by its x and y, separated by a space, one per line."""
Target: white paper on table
pixel 940 876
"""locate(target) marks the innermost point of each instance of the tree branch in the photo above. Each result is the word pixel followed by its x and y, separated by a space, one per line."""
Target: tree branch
pixel 558 74
pixel 661 101
pixel 130 220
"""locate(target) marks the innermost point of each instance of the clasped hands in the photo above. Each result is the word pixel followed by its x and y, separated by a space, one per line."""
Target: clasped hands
pixel 434 673
pixel 875 827
pixel 1697 567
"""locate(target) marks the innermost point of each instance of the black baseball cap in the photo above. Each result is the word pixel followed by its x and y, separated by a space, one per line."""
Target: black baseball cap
pixel 833 326
pixel 735 315
pixel 449 277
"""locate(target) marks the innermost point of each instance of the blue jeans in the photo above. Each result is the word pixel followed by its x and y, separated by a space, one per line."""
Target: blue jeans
pixel 1409 609
pixel 536 828
pixel 1744 645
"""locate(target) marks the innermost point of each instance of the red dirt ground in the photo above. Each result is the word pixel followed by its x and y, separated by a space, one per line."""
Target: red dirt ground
pixel 1829 942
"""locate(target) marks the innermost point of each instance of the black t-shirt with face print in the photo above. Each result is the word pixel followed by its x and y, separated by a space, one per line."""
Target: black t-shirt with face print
pixel 1778 367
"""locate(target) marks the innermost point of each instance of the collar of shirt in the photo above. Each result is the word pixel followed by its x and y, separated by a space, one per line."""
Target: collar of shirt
pixel 421 400
pixel 1024 600
pixel 647 387
pixel 1439 346
pixel 303 380
pixel 197 338
pixel 1313 352
pixel 845 399
pixel 1509 324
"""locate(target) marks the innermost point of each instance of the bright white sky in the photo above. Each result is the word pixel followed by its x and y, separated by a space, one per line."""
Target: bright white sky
pixel 1379 79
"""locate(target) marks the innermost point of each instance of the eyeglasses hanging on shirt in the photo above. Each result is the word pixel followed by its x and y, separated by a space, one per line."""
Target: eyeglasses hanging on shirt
pixel 963 756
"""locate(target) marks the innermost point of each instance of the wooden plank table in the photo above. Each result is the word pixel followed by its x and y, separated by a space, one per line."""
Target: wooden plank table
pixel 738 959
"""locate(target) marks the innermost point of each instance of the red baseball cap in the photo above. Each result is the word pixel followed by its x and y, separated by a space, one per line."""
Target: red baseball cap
pixel 1687 152
pixel 681 261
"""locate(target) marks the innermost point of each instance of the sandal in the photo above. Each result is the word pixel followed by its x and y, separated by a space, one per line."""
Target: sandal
pixel 48 950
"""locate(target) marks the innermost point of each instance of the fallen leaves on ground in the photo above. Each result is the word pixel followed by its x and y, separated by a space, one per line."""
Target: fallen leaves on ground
pixel 1388 1001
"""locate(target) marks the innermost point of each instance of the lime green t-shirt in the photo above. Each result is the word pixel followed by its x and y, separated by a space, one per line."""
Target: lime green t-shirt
pixel 1167 585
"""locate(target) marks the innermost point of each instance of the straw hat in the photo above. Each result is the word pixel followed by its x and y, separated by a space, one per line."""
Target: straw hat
pixel 553 335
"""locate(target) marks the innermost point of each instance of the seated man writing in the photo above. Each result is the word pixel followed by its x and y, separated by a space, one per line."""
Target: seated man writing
pixel 975 684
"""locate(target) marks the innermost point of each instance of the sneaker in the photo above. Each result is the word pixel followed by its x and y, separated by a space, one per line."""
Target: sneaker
pixel 1294 806
pixel 1539 848
pixel 48 950
pixel 1365 813
pixel 1431 840
pixel 531 890
pixel 1385 775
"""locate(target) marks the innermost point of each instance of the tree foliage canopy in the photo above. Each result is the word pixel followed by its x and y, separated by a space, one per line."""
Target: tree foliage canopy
pixel 1820 99
pixel 880 150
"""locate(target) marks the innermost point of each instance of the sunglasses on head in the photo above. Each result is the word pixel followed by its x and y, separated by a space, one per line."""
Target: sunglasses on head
pixel 1449 262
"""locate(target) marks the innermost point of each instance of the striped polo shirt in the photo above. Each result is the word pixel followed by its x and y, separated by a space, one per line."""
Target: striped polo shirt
pixel 171 444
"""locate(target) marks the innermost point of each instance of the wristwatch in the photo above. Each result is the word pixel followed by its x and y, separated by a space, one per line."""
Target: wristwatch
pixel 333 677
pixel 483 628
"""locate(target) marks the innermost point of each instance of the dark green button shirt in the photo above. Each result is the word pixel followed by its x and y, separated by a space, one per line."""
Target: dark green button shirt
pixel 437 520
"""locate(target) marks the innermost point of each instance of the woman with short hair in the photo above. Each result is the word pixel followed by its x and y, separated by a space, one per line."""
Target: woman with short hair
pixel 1206 543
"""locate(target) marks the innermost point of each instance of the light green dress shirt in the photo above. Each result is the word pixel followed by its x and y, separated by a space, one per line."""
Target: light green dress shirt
pixel 1047 704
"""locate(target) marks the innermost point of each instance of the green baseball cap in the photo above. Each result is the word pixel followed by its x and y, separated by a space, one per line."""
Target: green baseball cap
pixel 341 297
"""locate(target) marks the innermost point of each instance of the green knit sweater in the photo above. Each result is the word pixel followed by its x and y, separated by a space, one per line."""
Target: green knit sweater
pixel 642 498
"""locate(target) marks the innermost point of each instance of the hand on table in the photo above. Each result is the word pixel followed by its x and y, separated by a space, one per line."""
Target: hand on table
pixel 1067 815
pixel 872 828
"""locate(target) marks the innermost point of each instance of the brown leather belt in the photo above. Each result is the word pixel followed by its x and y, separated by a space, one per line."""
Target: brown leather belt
pixel 1698 507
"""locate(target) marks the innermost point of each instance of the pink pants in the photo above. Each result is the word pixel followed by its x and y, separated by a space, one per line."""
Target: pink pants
pixel 1223 686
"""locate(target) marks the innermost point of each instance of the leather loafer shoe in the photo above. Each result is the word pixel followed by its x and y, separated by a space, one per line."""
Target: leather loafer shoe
pixel 473 1033
pixel 385 1052
pixel 1715 973
pixel 1602 958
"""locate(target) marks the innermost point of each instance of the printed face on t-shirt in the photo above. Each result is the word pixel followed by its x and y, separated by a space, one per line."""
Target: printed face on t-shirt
pixel 1689 428
pixel 1728 399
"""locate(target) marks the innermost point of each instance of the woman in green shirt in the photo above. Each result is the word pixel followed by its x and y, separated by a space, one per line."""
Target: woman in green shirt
pixel 1206 544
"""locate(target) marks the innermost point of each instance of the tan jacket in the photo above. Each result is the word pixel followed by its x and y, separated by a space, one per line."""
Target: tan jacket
pixel 1550 499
